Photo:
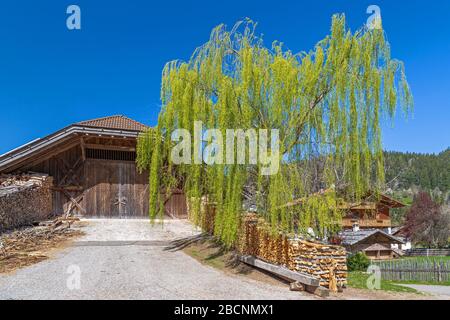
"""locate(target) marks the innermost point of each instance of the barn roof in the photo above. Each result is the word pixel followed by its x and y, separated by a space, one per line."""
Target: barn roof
pixel 376 247
pixel 117 126
pixel 115 122
pixel 350 237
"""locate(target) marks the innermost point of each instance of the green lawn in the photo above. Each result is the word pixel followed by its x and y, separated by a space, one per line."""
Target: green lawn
pixel 357 279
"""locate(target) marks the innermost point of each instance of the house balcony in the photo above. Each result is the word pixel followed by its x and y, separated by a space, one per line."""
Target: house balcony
pixel 366 223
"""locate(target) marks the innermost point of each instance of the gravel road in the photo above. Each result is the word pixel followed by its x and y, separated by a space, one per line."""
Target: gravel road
pixel 128 259
pixel 442 292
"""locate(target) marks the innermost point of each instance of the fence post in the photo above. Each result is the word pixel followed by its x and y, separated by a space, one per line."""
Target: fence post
pixel 439 272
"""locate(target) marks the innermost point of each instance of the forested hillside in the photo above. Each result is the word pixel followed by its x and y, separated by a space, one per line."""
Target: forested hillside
pixel 425 171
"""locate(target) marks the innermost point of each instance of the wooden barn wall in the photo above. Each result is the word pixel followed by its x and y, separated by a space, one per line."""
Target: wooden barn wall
pixel 102 188
pixel 59 168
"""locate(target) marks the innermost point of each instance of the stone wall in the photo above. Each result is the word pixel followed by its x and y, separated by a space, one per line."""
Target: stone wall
pixel 24 199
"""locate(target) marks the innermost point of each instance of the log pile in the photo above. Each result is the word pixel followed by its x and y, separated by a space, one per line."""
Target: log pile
pixel 325 262
pixel 258 240
pixel 15 183
pixel 207 216
pixel 328 263
pixel 24 199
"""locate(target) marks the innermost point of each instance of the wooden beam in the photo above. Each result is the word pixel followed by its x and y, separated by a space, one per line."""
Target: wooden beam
pixel 318 291
pixel 70 172
pixel 281 271
pixel 74 202
pixel 67 188
pixel 109 147
pixel 83 149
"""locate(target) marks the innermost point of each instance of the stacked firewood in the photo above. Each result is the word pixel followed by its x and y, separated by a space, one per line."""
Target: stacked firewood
pixel 208 215
pixel 249 237
pixel 257 239
pixel 325 262
pixel 24 179
pixel 24 199
pixel 205 220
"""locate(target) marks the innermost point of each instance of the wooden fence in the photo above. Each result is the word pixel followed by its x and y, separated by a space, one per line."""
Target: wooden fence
pixel 427 270
pixel 427 252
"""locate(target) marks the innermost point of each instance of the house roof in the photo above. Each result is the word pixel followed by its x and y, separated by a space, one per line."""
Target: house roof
pixel 300 201
pixel 391 202
pixel 376 247
pixel 370 203
pixel 350 237
pixel 397 230
pixel 366 204
pixel 117 126
pixel 115 122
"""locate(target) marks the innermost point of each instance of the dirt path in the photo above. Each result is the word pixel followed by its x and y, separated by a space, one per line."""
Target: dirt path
pixel 129 260
pixel 439 292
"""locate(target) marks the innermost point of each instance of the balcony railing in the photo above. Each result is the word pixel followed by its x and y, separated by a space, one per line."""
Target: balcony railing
pixel 366 223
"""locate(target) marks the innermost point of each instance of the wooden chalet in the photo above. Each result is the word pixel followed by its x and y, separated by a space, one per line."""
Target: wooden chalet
pixel 367 214
pixel 370 213
pixel 93 168
pixel 375 243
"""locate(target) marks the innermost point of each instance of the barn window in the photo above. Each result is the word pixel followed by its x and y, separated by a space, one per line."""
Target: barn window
pixel 101 154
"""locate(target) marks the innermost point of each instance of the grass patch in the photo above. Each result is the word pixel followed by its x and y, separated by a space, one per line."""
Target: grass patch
pixel 357 279
pixel 211 255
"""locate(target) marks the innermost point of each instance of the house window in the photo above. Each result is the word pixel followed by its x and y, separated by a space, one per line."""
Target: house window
pixel 118 155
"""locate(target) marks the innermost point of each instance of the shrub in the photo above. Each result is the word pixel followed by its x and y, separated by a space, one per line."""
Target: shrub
pixel 358 262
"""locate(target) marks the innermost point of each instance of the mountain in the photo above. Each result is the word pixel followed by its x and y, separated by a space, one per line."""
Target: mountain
pixel 415 170
pixel 408 173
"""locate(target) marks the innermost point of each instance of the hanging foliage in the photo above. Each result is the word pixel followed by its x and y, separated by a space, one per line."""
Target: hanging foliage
pixel 327 105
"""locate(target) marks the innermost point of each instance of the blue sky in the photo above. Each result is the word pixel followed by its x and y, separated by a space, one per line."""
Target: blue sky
pixel 51 77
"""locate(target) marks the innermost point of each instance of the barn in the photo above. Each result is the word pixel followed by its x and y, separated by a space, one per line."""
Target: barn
pixel 375 243
pixel 93 168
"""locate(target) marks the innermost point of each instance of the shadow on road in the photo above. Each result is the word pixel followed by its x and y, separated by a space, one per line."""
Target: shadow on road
pixel 206 249
pixel 180 244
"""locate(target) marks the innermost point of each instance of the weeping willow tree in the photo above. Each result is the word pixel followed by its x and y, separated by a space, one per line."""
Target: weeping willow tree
pixel 327 104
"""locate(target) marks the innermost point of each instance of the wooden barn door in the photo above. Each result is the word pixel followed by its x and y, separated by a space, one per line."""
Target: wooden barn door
pixel 115 189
